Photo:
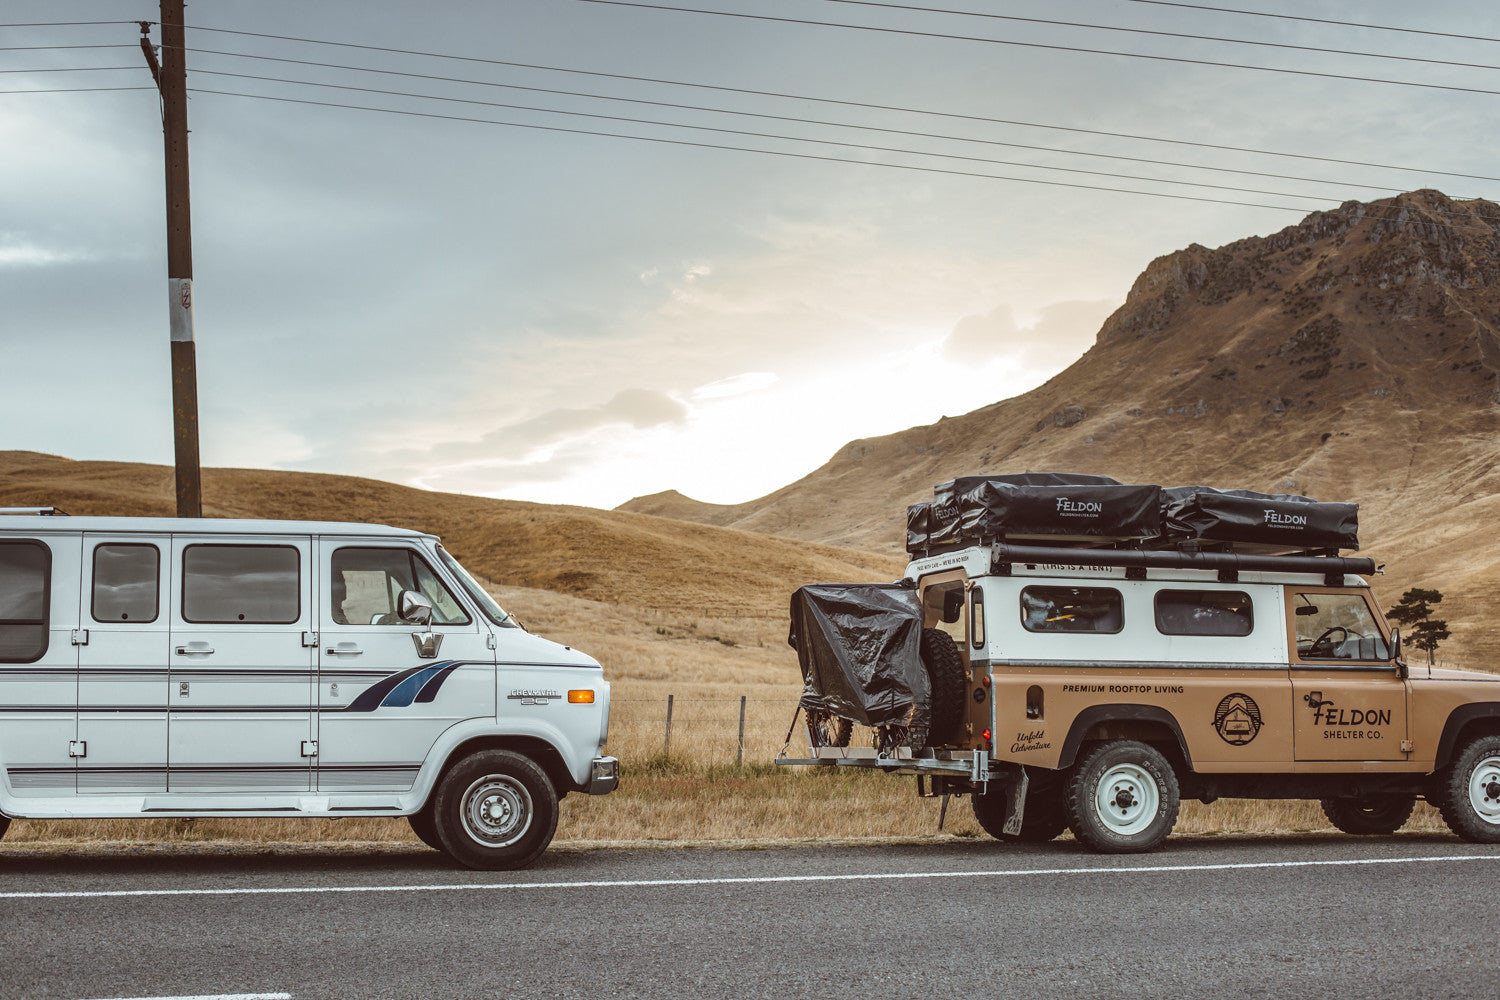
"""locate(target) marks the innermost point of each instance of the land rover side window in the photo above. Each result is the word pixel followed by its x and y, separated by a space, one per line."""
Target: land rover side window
pixel 1337 627
pixel 1203 612
pixel 125 583
pixel 24 571
pixel 249 584
pixel 943 608
pixel 976 617
pixel 1071 609
pixel 366 583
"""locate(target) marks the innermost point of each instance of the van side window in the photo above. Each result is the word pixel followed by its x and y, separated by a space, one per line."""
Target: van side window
pixel 252 584
pixel 1203 612
pixel 1337 627
pixel 125 582
pixel 365 583
pixel 25 570
pixel 1072 609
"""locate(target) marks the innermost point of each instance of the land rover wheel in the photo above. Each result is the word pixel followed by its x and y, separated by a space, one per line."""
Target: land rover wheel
pixel 1467 791
pixel 1042 819
pixel 950 685
pixel 1121 798
pixel 1376 815
pixel 824 730
pixel 425 827
pixel 495 810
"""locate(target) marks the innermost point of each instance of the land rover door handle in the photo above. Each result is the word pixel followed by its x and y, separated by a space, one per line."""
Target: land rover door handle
pixel 345 649
pixel 195 649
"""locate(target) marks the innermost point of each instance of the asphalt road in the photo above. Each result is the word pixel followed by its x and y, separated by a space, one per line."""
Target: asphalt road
pixel 1404 916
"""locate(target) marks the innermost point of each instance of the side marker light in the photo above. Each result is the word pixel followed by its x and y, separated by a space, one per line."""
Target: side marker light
pixel 581 697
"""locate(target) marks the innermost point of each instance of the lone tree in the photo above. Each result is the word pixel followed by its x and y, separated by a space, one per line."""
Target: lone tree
pixel 1415 612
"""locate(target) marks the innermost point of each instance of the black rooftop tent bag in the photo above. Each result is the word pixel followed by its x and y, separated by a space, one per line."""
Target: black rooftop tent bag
pixel 1283 521
pixel 974 508
pixel 859 645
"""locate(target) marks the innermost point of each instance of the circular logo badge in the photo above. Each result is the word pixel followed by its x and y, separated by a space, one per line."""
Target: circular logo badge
pixel 1237 719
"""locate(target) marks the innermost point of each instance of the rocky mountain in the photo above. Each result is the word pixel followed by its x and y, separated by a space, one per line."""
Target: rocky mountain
pixel 1353 356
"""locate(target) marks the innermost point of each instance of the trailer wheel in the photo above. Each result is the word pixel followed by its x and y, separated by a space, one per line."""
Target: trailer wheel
pixel 1377 815
pixel 824 730
pixel 950 685
pixel 1467 791
pixel 425 827
pixel 1042 819
pixel 495 810
pixel 1122 798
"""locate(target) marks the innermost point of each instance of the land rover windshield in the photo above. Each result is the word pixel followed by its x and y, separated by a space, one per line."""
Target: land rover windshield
pixel 486 603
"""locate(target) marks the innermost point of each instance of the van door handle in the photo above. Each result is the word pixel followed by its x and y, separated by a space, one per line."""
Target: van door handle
pixel 195 649
pixel 345 649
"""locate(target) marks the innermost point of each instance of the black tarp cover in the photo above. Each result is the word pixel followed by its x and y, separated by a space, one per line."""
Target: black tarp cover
pixel 1259 518
pixel 969 508
pixel 860 649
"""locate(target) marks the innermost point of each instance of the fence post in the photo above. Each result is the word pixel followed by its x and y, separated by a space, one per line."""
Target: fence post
pixel 739 757
pixel 667 744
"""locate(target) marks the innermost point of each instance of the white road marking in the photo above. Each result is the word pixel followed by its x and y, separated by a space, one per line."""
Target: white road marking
pixel 219 996
pixel 739 880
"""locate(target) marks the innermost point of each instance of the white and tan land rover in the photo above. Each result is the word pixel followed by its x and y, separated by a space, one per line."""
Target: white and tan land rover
pixel 1079 654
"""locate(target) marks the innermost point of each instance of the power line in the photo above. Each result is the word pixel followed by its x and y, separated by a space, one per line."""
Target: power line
pixel 70 69
pixel 73 90
pixel 747 149
pixel 1316 20
pixel 1041 45
pixel 783 138
pixel 750 114
pixel 1189 36
pixel 822 100
pixel 51 48
pixel 63 24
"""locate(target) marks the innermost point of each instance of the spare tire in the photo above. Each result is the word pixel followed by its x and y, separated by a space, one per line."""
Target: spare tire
pixel 950 686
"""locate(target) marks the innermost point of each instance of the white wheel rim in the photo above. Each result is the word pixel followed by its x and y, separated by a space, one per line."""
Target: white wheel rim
pixel 497 810
pixel 1126 799
pixel 1484 790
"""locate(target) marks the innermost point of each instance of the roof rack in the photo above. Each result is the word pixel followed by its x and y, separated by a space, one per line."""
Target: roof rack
pixel 34 511
pixel 1228 565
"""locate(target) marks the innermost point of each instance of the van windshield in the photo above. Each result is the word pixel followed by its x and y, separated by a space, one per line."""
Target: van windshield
pixel 486 603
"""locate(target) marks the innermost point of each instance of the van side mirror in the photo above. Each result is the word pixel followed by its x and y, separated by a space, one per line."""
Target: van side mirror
pixel 414 608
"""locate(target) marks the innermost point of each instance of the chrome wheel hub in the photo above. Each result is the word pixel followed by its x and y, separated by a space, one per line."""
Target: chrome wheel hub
pixel 497 810
pixel 1127 799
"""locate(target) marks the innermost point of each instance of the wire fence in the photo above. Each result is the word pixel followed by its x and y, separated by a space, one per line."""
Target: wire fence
pixel 715 730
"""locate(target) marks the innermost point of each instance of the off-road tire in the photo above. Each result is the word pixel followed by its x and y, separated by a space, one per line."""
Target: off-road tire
pixel 495 810
pixel 1467 791
pixel 1121 798
pixel 828 730
pixel 950 686
pixel 1042 819
pixel 423 825
pixel 1378 815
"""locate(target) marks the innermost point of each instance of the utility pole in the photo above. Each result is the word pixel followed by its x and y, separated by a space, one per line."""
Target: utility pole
pixel 171 81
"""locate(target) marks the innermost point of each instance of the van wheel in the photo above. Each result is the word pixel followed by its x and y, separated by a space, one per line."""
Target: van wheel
pixel 1041 820
pixel 1122 798
pixel 1376 815
pixel 423 825
pixel 495 810
pixel 950 685
pixel 1467 791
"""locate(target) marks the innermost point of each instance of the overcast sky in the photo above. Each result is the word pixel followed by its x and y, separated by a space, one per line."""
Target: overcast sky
pixel 571 318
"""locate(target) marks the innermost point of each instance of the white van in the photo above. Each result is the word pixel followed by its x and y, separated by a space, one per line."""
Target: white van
pixel 167 667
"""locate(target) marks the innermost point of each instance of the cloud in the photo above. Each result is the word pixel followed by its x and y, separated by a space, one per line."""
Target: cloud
pixel 736 385
pixel 1059 332
pixel 18 252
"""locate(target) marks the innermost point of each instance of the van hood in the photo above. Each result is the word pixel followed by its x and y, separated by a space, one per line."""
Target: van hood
pixel 521 647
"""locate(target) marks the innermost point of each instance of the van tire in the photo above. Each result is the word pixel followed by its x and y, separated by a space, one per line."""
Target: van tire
pixel 1374 816
pixel 950 685
pixel 495 810
pixel 1122 798
pixel 423 825
pixel 1466 792
pixel 4 824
